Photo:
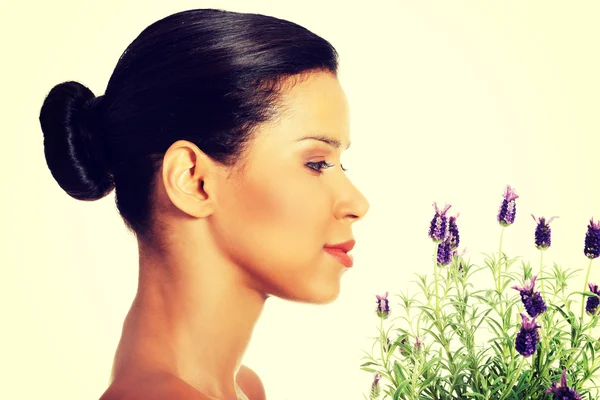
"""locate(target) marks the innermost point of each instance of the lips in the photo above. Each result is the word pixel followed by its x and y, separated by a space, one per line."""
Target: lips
pixel 340 250
pixel 345 247
pixel 341 256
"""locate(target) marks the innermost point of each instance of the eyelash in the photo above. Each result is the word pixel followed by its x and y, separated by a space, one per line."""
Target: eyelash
pixel 322 165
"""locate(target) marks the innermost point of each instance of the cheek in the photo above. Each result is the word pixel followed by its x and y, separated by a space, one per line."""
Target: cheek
pixel 277 227
pixel 291 213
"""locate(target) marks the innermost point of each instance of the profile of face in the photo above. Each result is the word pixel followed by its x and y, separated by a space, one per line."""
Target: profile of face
pixel 293 197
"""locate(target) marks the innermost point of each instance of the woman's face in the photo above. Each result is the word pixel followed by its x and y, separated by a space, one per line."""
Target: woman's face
pixel 275 217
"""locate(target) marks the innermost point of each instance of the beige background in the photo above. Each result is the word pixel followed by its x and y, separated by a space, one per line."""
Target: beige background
pixel 450 101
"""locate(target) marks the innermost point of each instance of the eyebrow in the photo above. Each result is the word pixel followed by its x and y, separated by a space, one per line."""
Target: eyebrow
pixel 325 139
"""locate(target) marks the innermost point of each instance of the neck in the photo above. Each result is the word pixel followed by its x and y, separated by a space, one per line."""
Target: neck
pixel 192 319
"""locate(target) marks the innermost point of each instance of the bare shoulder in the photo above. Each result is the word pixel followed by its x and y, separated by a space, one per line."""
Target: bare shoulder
pixel 250 383
pixel 159 387
pixel 163 386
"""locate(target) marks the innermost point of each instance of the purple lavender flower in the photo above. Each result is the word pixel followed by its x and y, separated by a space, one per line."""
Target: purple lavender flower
pixel 387 346
pixel 591 306
pixel 506 214
pixel 562 391
pixel 402 346
pixel 444 253
pixel 455 254
pixel 438 229
pixel 418 343
pixel 528 337
pixel 375 390
pixel 592 240
pixel 453 236
pixel 383 307
pixel 533 302
pixel 542 232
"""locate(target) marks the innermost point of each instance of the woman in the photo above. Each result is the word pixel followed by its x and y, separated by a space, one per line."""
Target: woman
pixel 221 134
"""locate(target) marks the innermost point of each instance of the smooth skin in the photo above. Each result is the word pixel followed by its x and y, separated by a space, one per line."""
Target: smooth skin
pixel 230 238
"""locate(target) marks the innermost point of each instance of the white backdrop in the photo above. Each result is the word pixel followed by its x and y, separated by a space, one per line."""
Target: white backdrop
pixel 449 101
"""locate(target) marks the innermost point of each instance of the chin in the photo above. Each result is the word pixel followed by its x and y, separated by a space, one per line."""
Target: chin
pixel 320 295
pixel 326 295
pixel 321 289
pixel 329 299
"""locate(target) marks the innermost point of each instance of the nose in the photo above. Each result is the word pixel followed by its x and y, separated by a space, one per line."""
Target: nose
pixel 351 204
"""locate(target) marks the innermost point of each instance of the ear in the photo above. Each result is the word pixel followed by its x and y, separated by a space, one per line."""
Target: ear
pixel 189 176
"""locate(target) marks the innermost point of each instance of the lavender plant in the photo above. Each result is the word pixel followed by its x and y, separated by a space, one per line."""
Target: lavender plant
pixel 454 340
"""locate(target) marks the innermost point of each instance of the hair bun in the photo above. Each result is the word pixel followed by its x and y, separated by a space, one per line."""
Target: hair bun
pixel 72 146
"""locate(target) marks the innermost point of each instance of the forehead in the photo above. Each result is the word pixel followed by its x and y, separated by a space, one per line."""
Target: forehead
pixel 312 105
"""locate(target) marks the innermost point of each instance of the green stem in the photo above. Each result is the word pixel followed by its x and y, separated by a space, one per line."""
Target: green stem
pixel 586 377
pixel 571 359
pixel 384 355
pixel 577 336
pixel 435 275
pixel 437 308
pixel 585 288
pixel 513 380
pixel 415 375
pixel 541 268
pixel 381 341
pixel 544 337
pixel 498 286
pixel 500 247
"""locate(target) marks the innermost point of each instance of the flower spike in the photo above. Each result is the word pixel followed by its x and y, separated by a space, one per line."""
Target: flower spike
pixel 562 391
pixel 383 307
pixel 507 212
pixel 444 255
pixel 542 232
pixel 453 236
pixel 375 389
pixel 533 302
pixel 592 240
pixel 438 228
pixel 591 306
pixel 528 337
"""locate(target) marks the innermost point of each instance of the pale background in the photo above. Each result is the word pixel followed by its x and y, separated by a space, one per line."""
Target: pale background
pixel 450 101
